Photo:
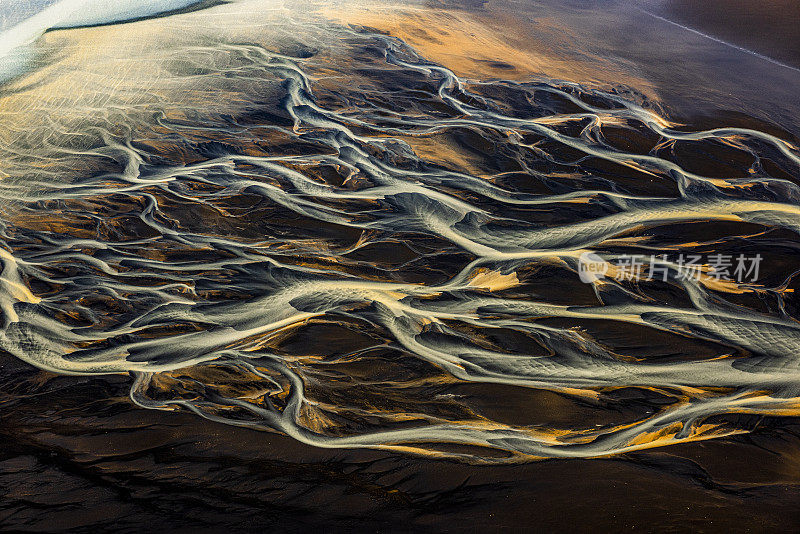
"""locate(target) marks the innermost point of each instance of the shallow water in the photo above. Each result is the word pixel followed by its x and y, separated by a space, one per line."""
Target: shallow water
pixel 309 227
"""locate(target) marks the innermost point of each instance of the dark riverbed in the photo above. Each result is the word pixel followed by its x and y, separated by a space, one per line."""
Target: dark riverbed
pixel 269 266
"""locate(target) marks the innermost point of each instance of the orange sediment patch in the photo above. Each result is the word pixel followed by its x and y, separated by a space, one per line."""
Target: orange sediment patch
pixel 483 44
pixel 494 280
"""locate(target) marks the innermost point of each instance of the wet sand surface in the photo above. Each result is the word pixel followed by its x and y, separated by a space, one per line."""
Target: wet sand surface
pixel 97 464
pixel 320 270
pixel 771 28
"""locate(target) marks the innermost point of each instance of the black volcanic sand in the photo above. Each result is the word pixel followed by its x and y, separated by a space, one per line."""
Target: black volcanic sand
pixel 71 463
pixel 770 27
pixel 693 75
